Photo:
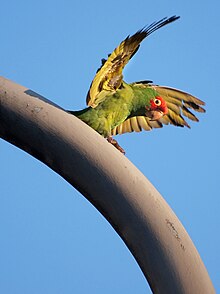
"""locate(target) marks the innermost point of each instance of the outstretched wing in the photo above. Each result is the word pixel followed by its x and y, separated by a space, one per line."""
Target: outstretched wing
pixel 136 124
pixel 109 77
pixel 179 104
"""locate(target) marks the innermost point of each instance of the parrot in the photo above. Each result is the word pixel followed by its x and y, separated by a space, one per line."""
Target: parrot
pixel 116 107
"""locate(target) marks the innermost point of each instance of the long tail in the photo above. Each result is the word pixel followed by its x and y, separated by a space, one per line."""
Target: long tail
pixel 77 112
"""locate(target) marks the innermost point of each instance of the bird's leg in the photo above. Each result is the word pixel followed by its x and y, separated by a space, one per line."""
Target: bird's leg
pixel 115 144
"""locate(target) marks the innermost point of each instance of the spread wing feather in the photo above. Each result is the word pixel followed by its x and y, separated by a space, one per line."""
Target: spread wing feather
pixel 136 124
pixel 178 103
pixel 109 77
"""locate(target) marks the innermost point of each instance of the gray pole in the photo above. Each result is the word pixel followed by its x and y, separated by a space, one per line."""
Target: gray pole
pixel 135 209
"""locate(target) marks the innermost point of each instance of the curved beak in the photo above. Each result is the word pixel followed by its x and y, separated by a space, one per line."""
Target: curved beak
pixel 154 114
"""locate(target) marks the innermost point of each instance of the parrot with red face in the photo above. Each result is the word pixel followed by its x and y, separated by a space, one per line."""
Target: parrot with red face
pixel 115 107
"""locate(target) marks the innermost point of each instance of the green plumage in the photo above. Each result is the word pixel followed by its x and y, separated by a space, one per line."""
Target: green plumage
pixel 115 107
pixel 128 101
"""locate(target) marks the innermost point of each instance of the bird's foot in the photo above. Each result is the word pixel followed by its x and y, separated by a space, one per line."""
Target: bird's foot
pixel 115 144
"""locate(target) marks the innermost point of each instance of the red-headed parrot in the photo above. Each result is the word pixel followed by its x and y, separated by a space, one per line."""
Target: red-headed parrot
pixel 115 107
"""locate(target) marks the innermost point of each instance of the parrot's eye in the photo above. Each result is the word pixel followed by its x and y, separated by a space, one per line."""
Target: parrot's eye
pixel 157 102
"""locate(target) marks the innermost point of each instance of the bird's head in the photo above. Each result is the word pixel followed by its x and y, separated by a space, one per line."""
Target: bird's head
pixel 157 108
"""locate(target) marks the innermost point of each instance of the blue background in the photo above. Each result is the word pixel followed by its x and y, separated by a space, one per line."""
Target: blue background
pixel 52 240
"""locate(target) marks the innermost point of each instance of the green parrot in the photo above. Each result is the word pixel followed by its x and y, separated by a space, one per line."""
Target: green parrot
pixel 115 107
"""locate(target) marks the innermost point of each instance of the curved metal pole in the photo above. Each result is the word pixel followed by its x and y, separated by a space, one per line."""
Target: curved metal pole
pixel 135 209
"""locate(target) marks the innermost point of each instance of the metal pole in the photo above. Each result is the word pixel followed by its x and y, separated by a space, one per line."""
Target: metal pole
pixel 135 209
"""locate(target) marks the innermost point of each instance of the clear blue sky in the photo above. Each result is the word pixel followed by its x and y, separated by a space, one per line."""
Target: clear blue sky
pixel 52 240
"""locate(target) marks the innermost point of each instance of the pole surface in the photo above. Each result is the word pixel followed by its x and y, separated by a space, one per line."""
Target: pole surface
pixel 135 209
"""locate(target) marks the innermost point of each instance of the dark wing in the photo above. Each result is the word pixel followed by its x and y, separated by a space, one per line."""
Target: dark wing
pixel 109 77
